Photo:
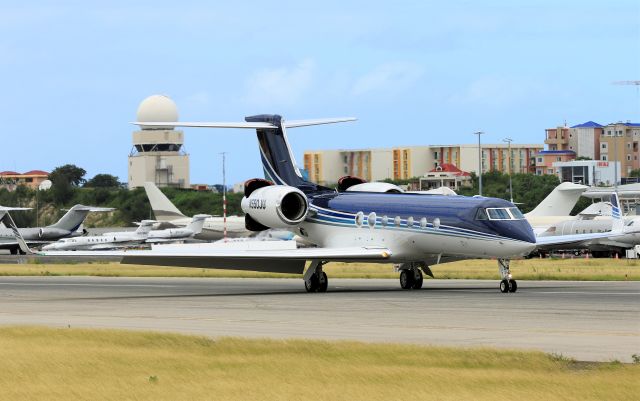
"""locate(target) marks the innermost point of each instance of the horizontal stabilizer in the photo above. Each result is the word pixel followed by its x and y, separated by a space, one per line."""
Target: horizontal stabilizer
pixel 248 125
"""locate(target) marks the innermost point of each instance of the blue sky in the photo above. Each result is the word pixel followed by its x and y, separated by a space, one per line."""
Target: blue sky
pixel 414 73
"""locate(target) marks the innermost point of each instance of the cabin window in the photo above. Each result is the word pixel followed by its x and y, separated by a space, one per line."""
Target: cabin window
pixel 359 219
pixel 371 219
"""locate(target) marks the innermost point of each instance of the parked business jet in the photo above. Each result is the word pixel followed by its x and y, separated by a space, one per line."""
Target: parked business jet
pixel 68 226
pixel 410 230
pixel 110 240
pixel 556 206
pixel 174 234
pixel 613 222
pixel 170 216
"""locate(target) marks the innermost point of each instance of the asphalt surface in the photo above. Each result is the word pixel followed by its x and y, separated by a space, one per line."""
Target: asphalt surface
pixel 597 321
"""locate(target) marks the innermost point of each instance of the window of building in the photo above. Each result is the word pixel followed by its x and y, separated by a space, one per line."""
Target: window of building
pixel 603 145
pixel 558 158
pixel 603 158
pixel 539 159
pixel 628 158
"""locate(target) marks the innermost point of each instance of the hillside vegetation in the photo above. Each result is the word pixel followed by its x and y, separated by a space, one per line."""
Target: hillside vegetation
pixel 131 205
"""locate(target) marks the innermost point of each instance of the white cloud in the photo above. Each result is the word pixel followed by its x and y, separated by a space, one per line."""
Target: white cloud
pixel 389 78
pixel 497 92
pixel 280 86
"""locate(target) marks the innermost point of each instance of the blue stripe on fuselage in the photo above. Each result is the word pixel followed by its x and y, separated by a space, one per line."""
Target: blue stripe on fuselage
pixel 456 213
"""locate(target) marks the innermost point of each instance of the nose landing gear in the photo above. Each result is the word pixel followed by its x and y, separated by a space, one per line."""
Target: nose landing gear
pixel 507 284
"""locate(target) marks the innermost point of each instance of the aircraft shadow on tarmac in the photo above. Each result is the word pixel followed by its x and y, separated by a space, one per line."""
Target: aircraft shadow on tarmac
pixel 296 292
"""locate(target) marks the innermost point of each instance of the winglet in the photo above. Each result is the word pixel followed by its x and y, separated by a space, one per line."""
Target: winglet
pixel 616 213
pixel 8 222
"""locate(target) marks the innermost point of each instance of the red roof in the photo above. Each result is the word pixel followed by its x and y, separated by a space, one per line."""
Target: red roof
pixel 450 168
pixel 36 172
pixel 32 172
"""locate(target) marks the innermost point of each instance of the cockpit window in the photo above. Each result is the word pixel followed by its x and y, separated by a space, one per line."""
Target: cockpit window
pixel 481 215
pixel 504 213
pixel 498 214
pixel 516 213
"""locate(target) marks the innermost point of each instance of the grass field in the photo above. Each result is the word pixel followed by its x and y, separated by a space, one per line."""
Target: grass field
pixel 532 269
pixel 63 364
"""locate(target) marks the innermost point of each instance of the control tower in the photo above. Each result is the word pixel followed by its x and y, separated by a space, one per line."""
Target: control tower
pixel 157 154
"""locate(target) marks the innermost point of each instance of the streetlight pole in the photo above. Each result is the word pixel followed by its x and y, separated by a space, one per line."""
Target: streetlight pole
pixel 615 159
pixel 508 141
pixel 224 196
pixel 479 133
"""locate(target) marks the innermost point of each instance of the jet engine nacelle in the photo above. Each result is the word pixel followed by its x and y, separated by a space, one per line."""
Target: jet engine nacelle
pixel 51 233
pixel 275 206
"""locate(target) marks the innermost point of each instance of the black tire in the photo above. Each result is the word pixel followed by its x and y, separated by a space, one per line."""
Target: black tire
pixel 313 284
pixel 504 286
pixel 406 279
pixel 417 280
pixel 323 282
pixel 13 251
pixel 576 253
pixel 513 286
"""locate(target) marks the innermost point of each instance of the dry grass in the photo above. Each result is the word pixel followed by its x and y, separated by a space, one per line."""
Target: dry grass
pixel 533 269
pixel 63 364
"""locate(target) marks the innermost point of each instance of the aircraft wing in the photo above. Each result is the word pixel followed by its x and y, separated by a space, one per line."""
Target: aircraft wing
pixel 577 240
pixel 237 258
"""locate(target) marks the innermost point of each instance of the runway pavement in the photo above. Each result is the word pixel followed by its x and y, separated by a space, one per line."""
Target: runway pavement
pixel 583 320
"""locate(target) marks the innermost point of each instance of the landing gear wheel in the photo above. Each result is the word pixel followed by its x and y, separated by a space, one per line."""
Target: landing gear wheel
pixel 417 280
pixel 323 282
pixel 504 286
pixel 312 284
pixel 513 286
pixel 406 279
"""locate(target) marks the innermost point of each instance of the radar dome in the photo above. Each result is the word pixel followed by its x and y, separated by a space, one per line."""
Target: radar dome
pixel 157 108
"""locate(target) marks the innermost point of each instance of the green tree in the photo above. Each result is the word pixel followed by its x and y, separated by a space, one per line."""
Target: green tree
pixel 71 173
pixel 103 181
pixel 634 173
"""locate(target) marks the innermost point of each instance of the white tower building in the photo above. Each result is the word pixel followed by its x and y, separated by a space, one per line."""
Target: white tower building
pixel 157 154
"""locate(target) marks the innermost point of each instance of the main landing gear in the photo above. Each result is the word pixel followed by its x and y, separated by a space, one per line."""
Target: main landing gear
pixel 315 280
pixel 411 275
pixel 507 284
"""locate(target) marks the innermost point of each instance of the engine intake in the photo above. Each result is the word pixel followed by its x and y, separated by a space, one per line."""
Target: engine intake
pixel 275 206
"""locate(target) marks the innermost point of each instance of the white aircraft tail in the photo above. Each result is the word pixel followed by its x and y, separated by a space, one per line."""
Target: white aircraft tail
pixel 163 209
pixel 197 223
pixel 145 226
pixel 616 214
pixel 560 201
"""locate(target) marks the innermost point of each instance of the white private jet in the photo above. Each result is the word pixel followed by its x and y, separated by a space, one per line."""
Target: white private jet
pixel 110 240
pixel 69 225
pixel 410 230
pixel 170 216
pixel 174 234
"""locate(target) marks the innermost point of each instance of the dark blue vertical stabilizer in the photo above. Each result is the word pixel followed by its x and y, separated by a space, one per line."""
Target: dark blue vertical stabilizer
pixel 277 159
